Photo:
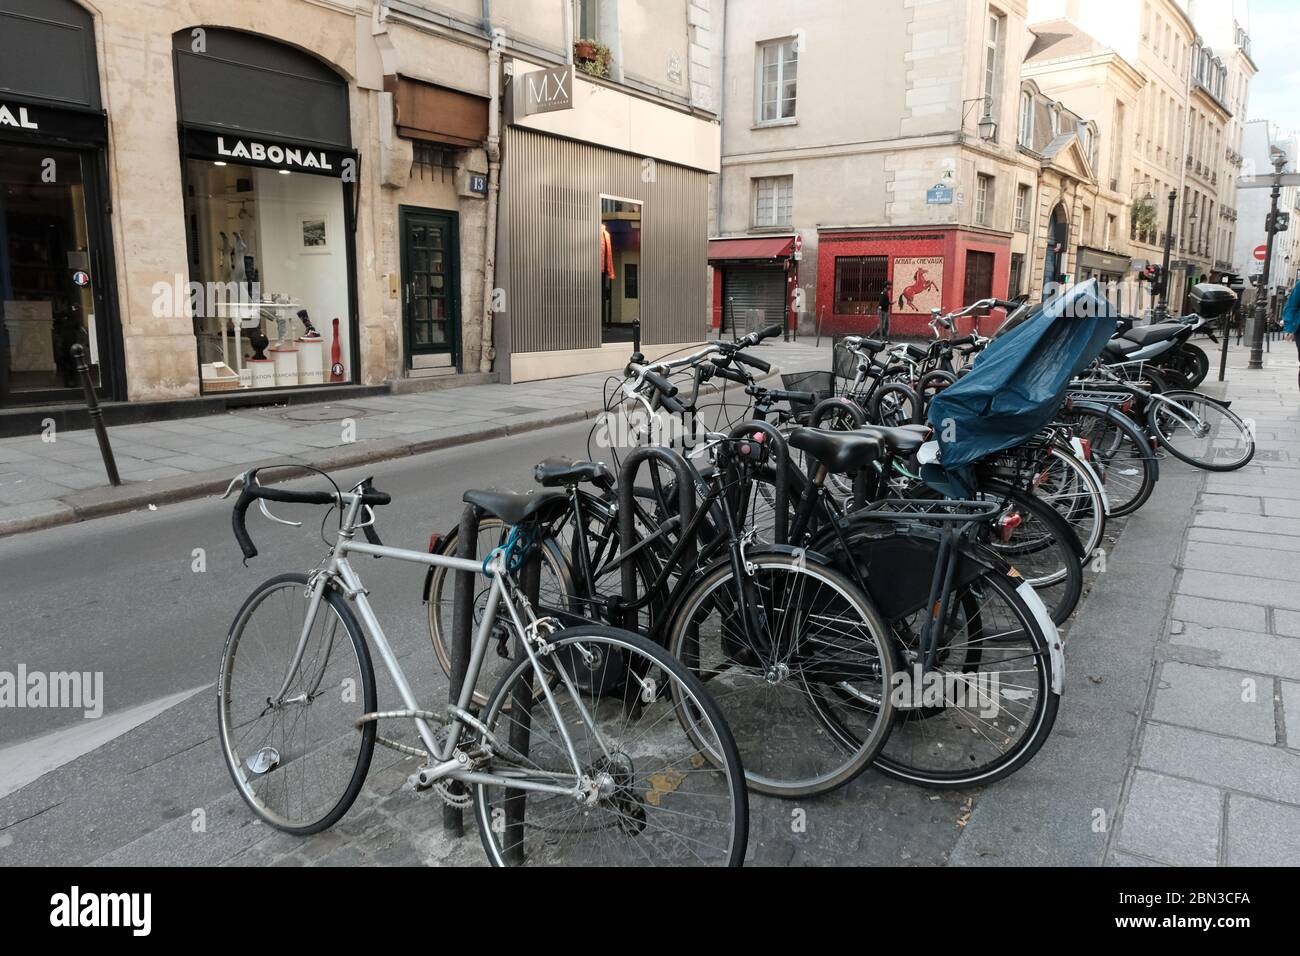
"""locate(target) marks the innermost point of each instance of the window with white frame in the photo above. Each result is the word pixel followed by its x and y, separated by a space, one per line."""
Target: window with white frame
pixel 773 201
pixel 778 74
pixel 983 199
pixel 1022 208
pixel 993 41
pixel 1025 135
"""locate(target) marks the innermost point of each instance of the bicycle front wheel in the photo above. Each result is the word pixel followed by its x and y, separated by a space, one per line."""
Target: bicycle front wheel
pixel 658 779
pixel 1201 431
pixel 297 757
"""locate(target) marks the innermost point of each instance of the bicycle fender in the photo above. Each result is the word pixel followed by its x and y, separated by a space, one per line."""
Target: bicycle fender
pixel 1055 649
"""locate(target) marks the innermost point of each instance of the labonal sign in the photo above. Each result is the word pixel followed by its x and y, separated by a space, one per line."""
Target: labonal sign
pixel 918 282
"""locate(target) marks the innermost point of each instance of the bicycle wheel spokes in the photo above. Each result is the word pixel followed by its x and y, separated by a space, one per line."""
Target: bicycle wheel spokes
pixel 658 782
pixel 299 759
pixel 811 629
pixel 1202 432
pixel 986 707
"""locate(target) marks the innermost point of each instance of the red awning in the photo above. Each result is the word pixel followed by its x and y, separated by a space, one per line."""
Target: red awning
pixel 774 247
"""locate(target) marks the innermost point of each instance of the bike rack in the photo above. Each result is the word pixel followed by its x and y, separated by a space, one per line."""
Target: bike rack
pixel 685 476
pixel 778 444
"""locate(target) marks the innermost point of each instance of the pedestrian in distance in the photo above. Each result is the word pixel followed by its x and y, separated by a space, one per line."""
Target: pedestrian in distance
pixel 886 299
pixel 1291 318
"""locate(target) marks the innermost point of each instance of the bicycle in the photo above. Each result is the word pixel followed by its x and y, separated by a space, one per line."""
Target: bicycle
pixel 591 773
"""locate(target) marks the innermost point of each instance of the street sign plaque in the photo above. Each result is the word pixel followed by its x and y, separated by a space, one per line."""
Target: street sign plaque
pixel 1266 181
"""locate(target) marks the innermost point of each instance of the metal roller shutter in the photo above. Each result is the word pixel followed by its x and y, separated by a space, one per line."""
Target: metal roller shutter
pixel 752 287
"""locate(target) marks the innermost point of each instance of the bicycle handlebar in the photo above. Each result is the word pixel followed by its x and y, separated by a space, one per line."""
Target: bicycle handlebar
pixel 251 491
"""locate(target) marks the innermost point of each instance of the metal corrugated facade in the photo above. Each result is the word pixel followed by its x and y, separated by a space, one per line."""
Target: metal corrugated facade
pixel 552 199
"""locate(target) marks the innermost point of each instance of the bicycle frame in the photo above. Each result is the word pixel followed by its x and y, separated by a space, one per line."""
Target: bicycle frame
pixel 445 761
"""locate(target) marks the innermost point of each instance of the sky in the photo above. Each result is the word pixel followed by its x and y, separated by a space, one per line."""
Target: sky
pixel 1275 48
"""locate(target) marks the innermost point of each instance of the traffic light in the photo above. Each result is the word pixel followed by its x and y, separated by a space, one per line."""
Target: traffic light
pixel 1155 274
pixel 1279 222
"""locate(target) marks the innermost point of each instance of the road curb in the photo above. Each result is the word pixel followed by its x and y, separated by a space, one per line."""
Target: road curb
pixel 102 502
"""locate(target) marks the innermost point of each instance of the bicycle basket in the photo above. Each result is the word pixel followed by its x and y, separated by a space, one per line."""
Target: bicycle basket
pixel 820 384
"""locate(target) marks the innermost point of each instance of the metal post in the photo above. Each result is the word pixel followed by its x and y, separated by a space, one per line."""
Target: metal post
pixel 462 624
pixel 1264 293
pixel 1161 311
pixel 96 413
pixel 521 715
pixel 1223 346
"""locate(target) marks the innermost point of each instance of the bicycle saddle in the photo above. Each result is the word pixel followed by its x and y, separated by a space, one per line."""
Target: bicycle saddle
pixel 840 452
pixel 515 507
pixel 552 472
pixel 903 440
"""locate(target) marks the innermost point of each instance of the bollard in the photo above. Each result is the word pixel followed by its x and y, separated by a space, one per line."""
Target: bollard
pixel 96 414
pixel 462 625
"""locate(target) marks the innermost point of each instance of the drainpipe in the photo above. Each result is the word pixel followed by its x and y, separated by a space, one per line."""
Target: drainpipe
pixel 493 185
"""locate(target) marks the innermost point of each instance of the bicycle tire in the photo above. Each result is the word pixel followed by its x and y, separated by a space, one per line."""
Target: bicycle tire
pixel 771 767
pixel 895 404
pixel 225 724
pixel 439 592
pixel 1061 588
pixel 1158 416
pixel 1122 449
pixel 721 752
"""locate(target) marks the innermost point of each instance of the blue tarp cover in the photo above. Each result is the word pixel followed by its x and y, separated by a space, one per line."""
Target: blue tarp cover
pixel 1018 382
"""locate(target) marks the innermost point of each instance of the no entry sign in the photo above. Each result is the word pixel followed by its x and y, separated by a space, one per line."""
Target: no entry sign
pixel 1261 253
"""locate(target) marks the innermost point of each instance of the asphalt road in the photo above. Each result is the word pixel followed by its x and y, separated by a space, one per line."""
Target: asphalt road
pixel 121 595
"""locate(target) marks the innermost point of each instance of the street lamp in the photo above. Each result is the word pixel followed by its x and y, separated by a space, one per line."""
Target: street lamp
pixel 1194 245
pixel 1161 311
pixel 1256 361
pixel 987 126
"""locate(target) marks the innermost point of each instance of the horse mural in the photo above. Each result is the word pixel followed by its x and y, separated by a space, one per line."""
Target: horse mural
pixel 921 283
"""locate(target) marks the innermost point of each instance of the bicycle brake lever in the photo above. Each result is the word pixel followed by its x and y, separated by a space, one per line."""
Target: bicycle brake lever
pixel 237 480
pixel 261 503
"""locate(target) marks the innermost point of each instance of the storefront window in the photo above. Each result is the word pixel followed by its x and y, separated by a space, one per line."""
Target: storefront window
pixel 620 258
pixel 859 281
pixel 46 300
pixel 269 250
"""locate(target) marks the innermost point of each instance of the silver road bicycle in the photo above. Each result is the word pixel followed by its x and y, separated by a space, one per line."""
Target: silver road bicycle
pixel 595 748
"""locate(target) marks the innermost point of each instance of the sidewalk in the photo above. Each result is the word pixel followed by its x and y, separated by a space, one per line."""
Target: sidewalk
pixel 1215 775
pixel 51 482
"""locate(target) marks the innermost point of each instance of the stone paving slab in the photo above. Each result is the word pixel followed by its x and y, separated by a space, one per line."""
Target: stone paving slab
pixel 1262 833
pixel 1172 820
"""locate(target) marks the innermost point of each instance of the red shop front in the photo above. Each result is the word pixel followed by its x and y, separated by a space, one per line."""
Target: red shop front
pixel 924 269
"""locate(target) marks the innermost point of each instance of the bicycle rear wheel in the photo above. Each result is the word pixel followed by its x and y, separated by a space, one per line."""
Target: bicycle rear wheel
pixel 298 761
pixel 1201 431
pixel 1128 463
pixel 815 628
pixel 440 591
pixel 661 776
pixel 1030 536
pixel 1071 487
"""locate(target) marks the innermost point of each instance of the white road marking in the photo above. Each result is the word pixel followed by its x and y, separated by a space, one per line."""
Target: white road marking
pixel 23 763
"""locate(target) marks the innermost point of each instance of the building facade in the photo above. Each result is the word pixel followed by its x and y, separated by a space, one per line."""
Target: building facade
pixel 1078 98
pixel 233 196
pixel 844 183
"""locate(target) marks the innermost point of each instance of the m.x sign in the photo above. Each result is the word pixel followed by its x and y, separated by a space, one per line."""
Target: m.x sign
pixel 544 91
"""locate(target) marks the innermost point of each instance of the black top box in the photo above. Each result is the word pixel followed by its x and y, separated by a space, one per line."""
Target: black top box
pixel 1210 300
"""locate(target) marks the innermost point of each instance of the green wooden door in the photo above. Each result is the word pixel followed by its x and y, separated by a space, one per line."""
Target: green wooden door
pixel 430 287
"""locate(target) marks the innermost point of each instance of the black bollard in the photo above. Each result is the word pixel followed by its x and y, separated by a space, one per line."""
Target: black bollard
pixel 521 722
pixel 96 414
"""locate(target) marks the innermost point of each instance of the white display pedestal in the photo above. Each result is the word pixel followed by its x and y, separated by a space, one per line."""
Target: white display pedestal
pixel 263 372
pixel 286 366
pixel 311 361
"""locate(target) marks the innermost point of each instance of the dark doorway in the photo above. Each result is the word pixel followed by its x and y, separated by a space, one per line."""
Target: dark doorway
pixel 1058 240
pixel 431 288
